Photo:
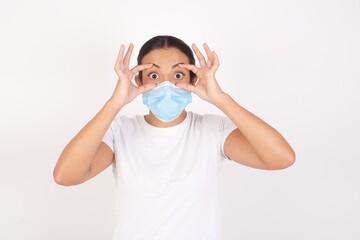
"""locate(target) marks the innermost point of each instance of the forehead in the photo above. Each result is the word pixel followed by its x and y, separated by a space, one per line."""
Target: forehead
pixel 165 56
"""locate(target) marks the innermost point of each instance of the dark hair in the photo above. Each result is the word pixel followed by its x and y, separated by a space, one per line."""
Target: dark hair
pixel 166 41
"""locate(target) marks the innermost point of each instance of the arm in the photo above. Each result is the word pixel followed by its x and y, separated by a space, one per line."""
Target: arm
pixel 85 155
pixel 76 160
pixel 254 143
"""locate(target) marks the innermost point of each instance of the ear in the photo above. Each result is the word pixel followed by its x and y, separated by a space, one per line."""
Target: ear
pixel 137 80
pixel 194 80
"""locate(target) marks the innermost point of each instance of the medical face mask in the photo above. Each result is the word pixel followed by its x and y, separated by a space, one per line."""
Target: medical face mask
pixel 166 101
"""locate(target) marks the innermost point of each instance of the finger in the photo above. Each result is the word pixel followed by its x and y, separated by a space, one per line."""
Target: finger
pixel 190 67
pixel 146 87
pixel 128 55
pixel 186 86
pixel 216 61
pixel 119 58
pixel 199 55
pixel 209 55
pixel 141 67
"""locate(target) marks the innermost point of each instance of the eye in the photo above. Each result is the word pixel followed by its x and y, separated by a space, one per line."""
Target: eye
pixel 153 76
pixel 179 75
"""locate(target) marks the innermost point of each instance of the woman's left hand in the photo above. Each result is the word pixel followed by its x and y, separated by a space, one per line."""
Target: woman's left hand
pixel 206 86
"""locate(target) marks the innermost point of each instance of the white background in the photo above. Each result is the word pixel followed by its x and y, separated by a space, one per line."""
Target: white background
pixel 295 64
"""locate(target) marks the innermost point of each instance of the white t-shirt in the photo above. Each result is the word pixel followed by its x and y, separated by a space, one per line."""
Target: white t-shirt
pixel 167 179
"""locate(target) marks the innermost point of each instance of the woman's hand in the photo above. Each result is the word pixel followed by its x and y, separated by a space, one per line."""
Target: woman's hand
pixel 206 86
pixel 125 90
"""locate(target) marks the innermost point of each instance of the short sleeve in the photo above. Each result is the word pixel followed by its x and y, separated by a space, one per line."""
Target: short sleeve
pixel 108 138
pixel 221 127
pixel 226 127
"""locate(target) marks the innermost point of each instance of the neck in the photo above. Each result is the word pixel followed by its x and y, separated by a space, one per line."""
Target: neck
pixel 154 121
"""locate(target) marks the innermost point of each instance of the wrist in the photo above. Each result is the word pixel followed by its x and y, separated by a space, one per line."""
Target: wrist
pixel 114 105
pixel 222 100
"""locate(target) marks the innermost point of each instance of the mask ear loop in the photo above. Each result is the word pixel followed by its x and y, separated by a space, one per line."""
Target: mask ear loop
pixel 196 82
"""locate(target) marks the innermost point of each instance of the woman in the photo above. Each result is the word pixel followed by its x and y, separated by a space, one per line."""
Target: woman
pixel 167 162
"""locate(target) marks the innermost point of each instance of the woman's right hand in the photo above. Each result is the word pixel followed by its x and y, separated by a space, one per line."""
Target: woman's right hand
pixel 125 90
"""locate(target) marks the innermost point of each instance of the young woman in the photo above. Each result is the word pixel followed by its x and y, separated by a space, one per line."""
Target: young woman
pixel 167 163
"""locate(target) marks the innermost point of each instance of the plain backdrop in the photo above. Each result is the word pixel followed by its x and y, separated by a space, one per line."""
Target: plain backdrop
pixel 295 64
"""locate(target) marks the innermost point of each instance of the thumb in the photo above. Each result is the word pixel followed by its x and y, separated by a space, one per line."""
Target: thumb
pixel 146 87
pixel 186 86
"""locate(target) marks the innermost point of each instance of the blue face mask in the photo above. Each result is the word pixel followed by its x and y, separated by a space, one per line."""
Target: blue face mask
pixel 166 101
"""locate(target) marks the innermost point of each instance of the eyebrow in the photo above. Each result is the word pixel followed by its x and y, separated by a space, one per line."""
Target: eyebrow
pixel 173 66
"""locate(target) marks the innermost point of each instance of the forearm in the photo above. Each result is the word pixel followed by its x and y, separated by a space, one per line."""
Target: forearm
pixel 77 156
pixel 268 143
